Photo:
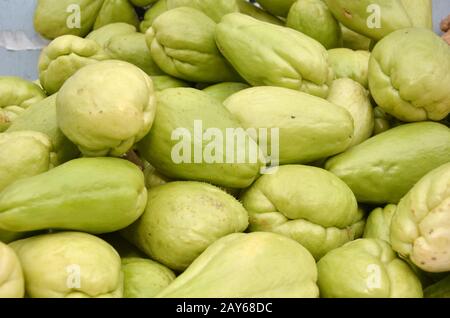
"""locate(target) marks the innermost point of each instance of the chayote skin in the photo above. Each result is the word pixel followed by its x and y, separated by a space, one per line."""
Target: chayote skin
pixel 12 284
pixel 255 265
pixel 313 18
pixel 278 8
pixel 169 146
pixel 162 82
pixel 347 63
pixel 182 219
pixel 310 128
pixel 69 265
pixel 16 95
pixel 378 223
pixel 96 195
pixel 353 40
pixel 113 11
pixel 24 154
pixel 8 236
pixel 104 34
pixel 144 278
pixel 420 12
pixel 222 91
pixel 384 168
pixel 63 57
pixel 105 108
pixel 154 178
pixel 355 99
pixel 405 81
pixel 51 17
pixel 420 227
pixel 270 55
pixel 41 117
pixel 186 49
pixel 307 204
pixel 440 289
pixel 366 268
pixel 142 3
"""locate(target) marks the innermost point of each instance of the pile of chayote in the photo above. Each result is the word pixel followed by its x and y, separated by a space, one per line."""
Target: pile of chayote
pixel 95 200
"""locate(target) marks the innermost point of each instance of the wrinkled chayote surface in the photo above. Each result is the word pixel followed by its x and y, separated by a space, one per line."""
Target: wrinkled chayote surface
pixel 144 278
pixel 420 227
pixel 307 204
pixel 378 224
pixel 230 264
pixel 182 219
pixel 409 75
pixel 265 54
pixel 385 167
pixel 366 268
pixel 16 95
pixel 71 196
pixel 347 63
pixel 69 265
pixel 106 107
pixel 12 284
pixel 309 127
pixel 24 154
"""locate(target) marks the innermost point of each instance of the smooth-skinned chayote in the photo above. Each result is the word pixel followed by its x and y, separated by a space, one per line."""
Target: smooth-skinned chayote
pixel 162 82
pixel 255 265
pixel 353 40
pixel 278 8
pixel 41 117
pixel 307 204
pixel 12 284
pixel 16 95
pixel 265 54
pixel 24 154
pixel 182 219
pixel 106 107
pixel 385 167
pixel 409 75
pixel 214 9
pixel 313 18
pixel 69 265
pixel 377 19
pixel 366 268
pixel 113 11
pixel 222 91
pixel 181 42
pixel 355 99
pixel 179 147
pixel 309 128
pixel 378 224
pixel 96 195
pixel 144 278
pixel 63 57
pixel 420 227
pixel 347 63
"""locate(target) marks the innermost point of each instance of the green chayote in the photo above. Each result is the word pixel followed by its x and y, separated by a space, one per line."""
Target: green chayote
pixel 162 82
pixel 277 7
pixel 353 40
pixel 347 63
pixel 113 11
pixel 12 284
pixel 182 219
pixel 378 223
pixel 222 91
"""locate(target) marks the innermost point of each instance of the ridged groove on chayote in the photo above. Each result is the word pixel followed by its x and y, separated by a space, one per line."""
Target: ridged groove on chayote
pixel 347 63
pixel 378 224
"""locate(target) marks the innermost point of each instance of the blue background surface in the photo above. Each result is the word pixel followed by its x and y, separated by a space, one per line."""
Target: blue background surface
pixel 18 15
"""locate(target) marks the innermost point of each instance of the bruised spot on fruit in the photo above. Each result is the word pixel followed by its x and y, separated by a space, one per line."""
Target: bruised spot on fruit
pixel 347 14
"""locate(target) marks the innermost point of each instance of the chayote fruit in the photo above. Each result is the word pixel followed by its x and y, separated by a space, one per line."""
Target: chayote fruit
pixel 307 204
pixel 353 40
pixel 69 265
pixel 54 18
pixel 144 278
pixel 189 141
pixel 384 168
pixel 154 178
pixel 405 81
pixel 104 34
pixel 8 236
pixel 113 11
pixel 313 18
pixel 378 223
pixel 12 284
pixel 96 195
pixel 270 55
pixel 440 289
pixel 41 117
pixel 347 63
pixel 16 95
pixel 366 268
pixel 420 227
pixel 222 91
pixel 63 57
pixel 194 57
pixel 106 107
pixel 420 12
pixel 162 82
pixel 142 3
pixel 355 99
pixel 277 7
pixel 24 154
pixel 309 127
pixel 182 219
pixel 255 265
